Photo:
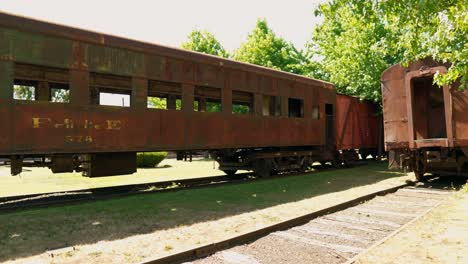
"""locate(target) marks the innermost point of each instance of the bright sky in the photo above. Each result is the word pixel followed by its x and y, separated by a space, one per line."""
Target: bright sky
pixel 168 22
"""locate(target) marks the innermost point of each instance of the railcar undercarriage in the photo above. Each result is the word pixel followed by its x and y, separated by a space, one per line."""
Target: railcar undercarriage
pixel 434 160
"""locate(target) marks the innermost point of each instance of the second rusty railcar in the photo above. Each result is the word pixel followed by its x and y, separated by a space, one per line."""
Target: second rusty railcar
pixel 289 121
pixel 426 126
pixel 358 127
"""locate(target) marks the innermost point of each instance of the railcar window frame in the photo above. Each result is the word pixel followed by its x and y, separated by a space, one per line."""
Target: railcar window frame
pixel 170 94
pixel 240 100
pixel 105 83
pixel 295 107
pixel 43 80
pixel 209 99
pixel 271 105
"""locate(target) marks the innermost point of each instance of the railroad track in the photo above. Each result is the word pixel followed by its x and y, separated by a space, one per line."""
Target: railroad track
pixel 21 202
pixel 13 203
pixel 332 235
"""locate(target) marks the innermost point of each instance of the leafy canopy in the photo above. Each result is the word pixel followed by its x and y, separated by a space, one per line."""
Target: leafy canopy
pixel 264 48
pixel 359 39
pixel 205 42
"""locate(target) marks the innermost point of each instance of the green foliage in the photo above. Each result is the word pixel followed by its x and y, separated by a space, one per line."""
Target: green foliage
pixel 359 39
pixel 150 159
pixel 23 92
pixel 240 109
pixel 351 41
pixel 431 28
pixel 161 103
pixel 264 48
pixel 205 42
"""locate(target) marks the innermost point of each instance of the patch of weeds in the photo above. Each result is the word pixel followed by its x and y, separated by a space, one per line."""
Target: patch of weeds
pixel 168 248
pixel 95 254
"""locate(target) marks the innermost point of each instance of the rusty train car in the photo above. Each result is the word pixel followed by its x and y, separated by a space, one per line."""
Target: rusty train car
pixel 64 121
pixel 359 126
pixel 426 126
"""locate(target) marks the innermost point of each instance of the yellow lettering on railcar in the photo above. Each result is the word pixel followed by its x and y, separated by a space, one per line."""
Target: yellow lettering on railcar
pixel 38 121
pixel 46 122
pixel 113 124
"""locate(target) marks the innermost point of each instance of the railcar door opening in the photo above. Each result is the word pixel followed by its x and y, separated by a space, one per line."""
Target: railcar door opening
pixel 428 109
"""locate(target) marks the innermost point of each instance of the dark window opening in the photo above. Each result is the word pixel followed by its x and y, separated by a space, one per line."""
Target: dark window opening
pixel 295 107
pixel 40 83
pixel 207 99
pixel 164 95
pixel 242 102
pixel 428 109
pixel 271 105
pixel 328 109
pixel 315 112
pixel 110 90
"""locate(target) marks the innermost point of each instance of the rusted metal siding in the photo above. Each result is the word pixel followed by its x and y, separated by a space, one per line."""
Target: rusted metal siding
pixel 460 116
pixel 394 107
pixel 357 123
pixel 35 48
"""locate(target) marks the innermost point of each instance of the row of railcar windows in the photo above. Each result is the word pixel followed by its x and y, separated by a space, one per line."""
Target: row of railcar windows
pixel 36 83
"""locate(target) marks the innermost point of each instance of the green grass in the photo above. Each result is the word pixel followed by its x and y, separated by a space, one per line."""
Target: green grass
pixel 34 231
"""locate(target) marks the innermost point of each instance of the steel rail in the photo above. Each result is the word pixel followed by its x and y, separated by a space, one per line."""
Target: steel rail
pixel 14 203
pixel 30 201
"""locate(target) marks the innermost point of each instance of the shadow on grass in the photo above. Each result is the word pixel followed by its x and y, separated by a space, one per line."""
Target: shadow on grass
pixel 32 232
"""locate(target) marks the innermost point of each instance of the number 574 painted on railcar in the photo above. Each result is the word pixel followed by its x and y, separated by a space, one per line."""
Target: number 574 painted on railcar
pixel 57 82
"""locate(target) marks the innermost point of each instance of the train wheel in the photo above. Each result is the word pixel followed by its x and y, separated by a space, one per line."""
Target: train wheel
pixel 419 172
pixel 262 167
pixel 230 173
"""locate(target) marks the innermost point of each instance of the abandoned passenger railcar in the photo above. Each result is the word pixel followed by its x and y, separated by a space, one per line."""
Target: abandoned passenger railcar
pixel 56 82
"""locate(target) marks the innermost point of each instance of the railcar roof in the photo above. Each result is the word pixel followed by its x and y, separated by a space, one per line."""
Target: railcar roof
pixel 34 25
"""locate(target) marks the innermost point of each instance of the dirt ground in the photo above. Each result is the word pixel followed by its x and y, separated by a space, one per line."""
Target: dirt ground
pixel 242 208
pixel 42 180
pixel 441 236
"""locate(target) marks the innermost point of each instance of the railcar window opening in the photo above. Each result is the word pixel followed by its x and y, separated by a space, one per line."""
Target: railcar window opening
pixel 164 95
pixel 316 112
pixel 59 92
pixel 112 98
pixel 271 105
pixel 110 90
pixel 295 107
pixel 329 109
pixel 25 90
pixel 242 103
pixel 208 99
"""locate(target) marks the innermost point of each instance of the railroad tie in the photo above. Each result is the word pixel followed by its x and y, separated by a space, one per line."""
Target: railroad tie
pixel 325 221
pixel 309 241
pixel 382 212
pixel 365 220
pixel 232 257
pixel 313 230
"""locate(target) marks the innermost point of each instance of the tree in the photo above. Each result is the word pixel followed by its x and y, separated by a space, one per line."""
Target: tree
pixel 264 48
pixel 359 39
pixel 431 28
pixel 205 42
pixel 351 42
